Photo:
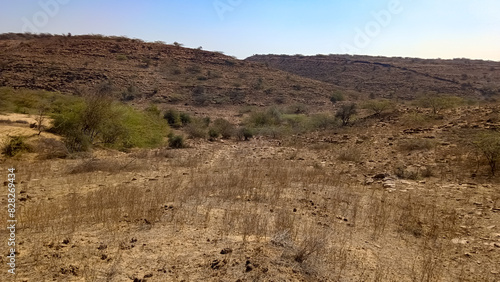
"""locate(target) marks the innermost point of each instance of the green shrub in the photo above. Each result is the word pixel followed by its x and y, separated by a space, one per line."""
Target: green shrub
pixel 98 120
pixel 224 127
pixel 439 102
pixel 416 119
pixel 185 118
pixel 143 130
pixel 206 121
pixel 29 101
pixel 173 118
pixel 153 110
pixel 321 121
pixel 15 145
pixel 298 122
pixel 213 134
pixel 265 118
pixel 244 133
pixel 336 97
pixel 378 106
pixel 130 93
pixel 176 142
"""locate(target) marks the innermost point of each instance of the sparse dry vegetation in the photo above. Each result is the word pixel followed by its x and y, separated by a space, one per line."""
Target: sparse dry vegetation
pixel 15 145
pixel 319 190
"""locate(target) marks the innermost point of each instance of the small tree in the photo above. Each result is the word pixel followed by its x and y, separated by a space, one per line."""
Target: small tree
pixel 40 118
pixel 489 145
pixel 345 113
pixel 439 102
pixel 378 106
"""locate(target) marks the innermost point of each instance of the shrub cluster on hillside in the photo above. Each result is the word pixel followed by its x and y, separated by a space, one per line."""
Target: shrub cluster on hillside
pixel 278 122
pixel 437 103
pixel 97 120
pixel 26 101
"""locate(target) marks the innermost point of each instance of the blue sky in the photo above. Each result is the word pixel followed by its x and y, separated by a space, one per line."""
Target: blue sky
pixel 406 28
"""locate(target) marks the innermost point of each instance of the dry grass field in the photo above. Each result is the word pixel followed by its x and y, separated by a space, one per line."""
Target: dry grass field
pixel 382 200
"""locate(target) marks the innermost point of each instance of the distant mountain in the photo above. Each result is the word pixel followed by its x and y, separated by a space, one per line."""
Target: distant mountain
pixel 144 72
pixel 403 78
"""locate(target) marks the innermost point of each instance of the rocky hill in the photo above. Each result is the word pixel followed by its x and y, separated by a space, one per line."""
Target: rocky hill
pixel 394 77
pixel 143 71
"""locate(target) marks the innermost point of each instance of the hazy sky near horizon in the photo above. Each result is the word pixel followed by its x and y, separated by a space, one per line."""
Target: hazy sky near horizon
pixel 405 28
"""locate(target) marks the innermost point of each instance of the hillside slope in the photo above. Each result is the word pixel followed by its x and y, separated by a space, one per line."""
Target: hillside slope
pixel 394 77
pixel 148 71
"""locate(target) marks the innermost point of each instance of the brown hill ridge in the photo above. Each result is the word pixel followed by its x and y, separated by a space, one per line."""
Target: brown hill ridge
pixel 394 77
pixel 143 71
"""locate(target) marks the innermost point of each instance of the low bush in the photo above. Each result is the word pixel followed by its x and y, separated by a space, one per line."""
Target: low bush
pixel 276 124
pixel 350 154
pixel 185 118
pixel 416 144
pixel 244 133
pixel 336 97
pixel 213 134
pixel 176 141
pixel 197 128
pixel 224 128
pixel 15 145
pixel 322 121
pixel 272 116
pixel 173 117
pixel 404 172
pixel 416 119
